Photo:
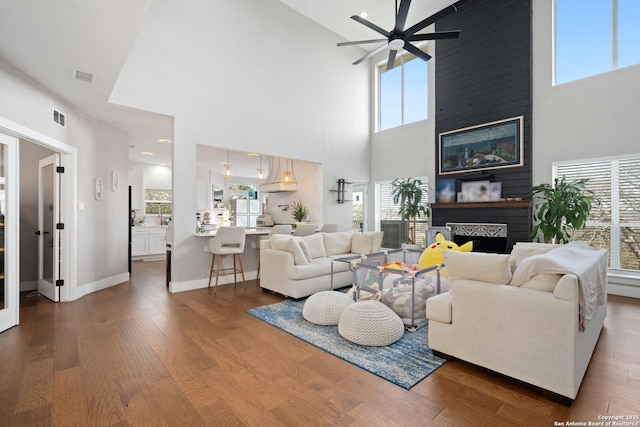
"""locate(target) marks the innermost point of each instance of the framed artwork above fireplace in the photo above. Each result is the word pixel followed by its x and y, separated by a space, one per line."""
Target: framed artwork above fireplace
pixel 492 145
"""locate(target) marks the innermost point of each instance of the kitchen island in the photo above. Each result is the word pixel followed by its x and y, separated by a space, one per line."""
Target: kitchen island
pixel 250 256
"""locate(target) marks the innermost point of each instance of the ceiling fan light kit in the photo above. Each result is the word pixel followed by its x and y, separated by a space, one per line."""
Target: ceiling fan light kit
pixel 401 38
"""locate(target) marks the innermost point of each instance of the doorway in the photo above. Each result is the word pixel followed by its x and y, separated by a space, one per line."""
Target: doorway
pixel 359 207
pixel 16 133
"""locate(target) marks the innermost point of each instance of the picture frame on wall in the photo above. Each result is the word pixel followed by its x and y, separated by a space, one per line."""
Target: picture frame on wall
pixel 492 145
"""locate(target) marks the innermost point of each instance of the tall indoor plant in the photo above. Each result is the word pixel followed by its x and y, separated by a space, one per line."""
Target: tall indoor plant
pixel 560 208
pixel 408 194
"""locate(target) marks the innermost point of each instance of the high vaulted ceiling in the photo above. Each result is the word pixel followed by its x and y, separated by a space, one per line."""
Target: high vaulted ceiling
pixel 49 40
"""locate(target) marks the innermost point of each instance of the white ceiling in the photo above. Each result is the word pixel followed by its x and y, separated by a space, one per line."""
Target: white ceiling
pixel 48 40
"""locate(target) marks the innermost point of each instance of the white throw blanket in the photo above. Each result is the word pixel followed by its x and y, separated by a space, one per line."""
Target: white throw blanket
pixel 587 263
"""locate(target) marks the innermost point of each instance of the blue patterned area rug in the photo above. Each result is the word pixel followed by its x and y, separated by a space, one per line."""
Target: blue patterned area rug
pixel 404 363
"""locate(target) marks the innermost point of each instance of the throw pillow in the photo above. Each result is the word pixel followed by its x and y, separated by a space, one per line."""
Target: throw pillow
pixel 361 243
pixel 376 240
pixel 305 251
pixel 542 282
pixel 315 245
pixel 337 243
pixel 523 250
pixel 490 268
pixel 287 243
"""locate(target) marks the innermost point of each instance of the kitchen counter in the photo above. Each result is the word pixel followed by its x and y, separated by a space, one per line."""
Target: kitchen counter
pixel 250 231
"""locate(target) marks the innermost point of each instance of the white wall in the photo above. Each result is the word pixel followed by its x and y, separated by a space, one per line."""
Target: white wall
pixel 587 118
pixel 278 86
pixel 101 148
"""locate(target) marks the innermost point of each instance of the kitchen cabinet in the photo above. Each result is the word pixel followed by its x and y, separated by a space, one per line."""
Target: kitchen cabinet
pixel 148 241
pixel 156 241
pixel 245 212
pixel 139 237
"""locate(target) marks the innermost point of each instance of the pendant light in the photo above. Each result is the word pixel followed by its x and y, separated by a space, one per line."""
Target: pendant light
pixel 287 175
pixel 260 175
pixel 228 172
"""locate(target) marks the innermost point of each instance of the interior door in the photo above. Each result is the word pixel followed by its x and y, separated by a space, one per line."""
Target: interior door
pixel 9 255
pixel 48 234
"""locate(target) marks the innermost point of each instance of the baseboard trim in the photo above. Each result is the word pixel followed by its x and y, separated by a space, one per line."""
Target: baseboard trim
pixel 92 287
pixel 191 285
pixel 623 290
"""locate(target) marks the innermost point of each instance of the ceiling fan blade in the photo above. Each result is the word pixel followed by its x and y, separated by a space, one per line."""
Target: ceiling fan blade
pixel 373 52
pixel 371 25
pixel 417 52
pixel 361 42
pixel 434 36
pixel 430 20
pixel 392 59
pixel 401 18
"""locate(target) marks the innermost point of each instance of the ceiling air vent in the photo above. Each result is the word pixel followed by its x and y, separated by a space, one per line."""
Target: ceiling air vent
pixel 83 76
pixel 59 118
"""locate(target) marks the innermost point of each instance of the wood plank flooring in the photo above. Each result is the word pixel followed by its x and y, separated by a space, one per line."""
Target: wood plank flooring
pixel 135 355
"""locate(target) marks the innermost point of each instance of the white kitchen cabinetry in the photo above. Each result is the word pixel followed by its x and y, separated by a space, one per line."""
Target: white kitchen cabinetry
pixel 245 212
pixel 156 240
pixel 148 241
pixel 139 237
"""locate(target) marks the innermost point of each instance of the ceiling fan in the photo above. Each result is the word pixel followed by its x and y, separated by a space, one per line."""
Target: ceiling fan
pixel 400 38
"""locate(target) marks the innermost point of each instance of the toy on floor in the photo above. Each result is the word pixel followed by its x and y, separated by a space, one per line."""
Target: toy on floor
pixel 432 256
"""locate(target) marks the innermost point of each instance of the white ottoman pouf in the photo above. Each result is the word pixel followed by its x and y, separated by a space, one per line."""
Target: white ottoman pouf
pixel 370 323
pixel 325 308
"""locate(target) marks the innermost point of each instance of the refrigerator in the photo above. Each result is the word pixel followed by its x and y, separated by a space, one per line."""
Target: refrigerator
pixel 245 212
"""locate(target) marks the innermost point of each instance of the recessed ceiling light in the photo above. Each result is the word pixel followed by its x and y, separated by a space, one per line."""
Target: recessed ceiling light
pixel 147 153
pixel 363 14
pixel 253 154
pixel 164 141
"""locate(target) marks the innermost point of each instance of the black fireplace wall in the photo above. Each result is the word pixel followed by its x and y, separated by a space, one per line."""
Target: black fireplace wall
pixel 483 76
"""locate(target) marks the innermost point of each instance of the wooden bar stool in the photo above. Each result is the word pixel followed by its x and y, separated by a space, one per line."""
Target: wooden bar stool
pixel 228 241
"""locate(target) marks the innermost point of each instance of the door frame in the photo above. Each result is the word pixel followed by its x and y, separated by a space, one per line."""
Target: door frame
pixel 11 310
pixel 68 202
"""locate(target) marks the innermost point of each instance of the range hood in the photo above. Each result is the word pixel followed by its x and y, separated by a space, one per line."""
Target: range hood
pixel 281 178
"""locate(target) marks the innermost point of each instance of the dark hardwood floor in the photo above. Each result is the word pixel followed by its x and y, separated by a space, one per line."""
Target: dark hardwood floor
pixel 134 354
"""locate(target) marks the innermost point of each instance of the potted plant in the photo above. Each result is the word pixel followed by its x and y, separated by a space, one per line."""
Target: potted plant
pixel 560 208
pixel 409 195
pixel 298 211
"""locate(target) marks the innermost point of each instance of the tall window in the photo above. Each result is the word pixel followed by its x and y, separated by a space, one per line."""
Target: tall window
pixel 402 92
pixel 388 219
pixel 595 36
pixel 614 222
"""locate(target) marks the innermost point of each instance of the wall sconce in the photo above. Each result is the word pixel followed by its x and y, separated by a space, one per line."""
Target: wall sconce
pixel 228 172
pixel 115 181
pixel 98 189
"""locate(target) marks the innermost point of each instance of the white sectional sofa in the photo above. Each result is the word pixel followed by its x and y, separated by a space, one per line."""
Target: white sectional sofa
pixel 535 315
pixel 300 266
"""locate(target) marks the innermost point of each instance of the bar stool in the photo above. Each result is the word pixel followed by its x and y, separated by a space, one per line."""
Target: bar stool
pixel 276 229
pixel 304 229
pixel 228 241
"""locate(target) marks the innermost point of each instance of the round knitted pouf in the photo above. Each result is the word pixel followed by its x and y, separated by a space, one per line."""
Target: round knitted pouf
pixel 370 323
pixel 325 308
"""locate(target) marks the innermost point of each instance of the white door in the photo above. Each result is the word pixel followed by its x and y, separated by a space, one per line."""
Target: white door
pixel 48 234
pixel 9 232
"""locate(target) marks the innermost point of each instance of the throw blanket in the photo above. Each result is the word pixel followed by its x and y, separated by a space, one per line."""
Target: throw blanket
pixel 587 263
